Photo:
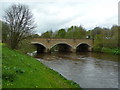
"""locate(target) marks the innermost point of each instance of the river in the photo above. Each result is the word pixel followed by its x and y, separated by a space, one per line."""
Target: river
pixel 89 70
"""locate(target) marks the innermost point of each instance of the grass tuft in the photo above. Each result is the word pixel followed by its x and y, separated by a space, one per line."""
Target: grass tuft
pixel 21 71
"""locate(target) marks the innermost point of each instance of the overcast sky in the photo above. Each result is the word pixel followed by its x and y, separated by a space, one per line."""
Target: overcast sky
pixel 56 14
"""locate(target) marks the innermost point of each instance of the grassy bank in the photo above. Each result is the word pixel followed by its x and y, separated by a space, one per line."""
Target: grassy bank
pixel 21 71
pixel 115 51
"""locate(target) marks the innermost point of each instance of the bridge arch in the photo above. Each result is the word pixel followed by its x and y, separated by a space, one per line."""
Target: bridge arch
pixel 41 48
pixel 62 47
pixel 73 44
pixel 83 47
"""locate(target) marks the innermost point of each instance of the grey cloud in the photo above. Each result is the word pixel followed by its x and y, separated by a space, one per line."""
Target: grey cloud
pixel 58 14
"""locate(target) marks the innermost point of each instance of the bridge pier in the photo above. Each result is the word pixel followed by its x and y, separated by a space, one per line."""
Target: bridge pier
pixel 47 50
pixel 73 50
pixel 90 49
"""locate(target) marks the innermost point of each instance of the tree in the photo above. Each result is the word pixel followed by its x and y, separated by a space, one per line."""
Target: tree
pixel 35 36
pixel 80 32
pixel 76 32
pixel 69 33
pixel 115 37
pixel 96 31
pixel 61 33
pixel 47 34
pixel 5 29
pixel 20 22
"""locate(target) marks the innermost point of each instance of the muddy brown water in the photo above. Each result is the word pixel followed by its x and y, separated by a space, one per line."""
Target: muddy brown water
pixel 89 70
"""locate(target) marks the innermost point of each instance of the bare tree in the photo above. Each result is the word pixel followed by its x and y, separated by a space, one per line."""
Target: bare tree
pixel 20 21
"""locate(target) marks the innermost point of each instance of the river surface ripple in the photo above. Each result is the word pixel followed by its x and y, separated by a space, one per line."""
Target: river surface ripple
pixel 89 70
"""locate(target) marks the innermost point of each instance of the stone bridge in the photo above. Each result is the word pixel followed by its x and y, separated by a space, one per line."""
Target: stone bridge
pixel 71 45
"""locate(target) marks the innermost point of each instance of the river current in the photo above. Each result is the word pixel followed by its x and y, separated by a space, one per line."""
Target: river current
pixel 89 70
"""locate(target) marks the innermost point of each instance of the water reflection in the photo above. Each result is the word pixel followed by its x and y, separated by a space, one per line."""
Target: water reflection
pixel 90 70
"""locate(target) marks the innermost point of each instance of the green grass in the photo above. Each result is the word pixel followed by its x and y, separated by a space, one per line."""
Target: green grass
pixel 21 71
pixel 115 51
pixel 111 51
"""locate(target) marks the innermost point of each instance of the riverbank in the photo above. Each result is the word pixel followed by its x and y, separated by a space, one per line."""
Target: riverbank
pixel 115 51
pixel 21 71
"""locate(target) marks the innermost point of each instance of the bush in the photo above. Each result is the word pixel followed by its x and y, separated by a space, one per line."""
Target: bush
pixel 25 46
pixel 97 49
pixel 111 50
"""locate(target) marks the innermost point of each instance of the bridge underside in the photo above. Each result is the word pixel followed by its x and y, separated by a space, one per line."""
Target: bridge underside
pixel 83 48
pixel 61 48
pixel 40 48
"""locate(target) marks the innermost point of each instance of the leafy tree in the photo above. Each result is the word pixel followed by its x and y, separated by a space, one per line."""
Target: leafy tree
pixel 47 34
pixel 35 36
pixel 81 32
pixel 96 31
pixel 20 21
pixel 76 32
pixel 88 33
pixel 115 38
pixel 61 33
pixel 69 33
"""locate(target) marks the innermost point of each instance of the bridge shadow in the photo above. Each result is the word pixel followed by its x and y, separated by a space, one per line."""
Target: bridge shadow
pixel 82 48
pixel 61 47
pixel 40 48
